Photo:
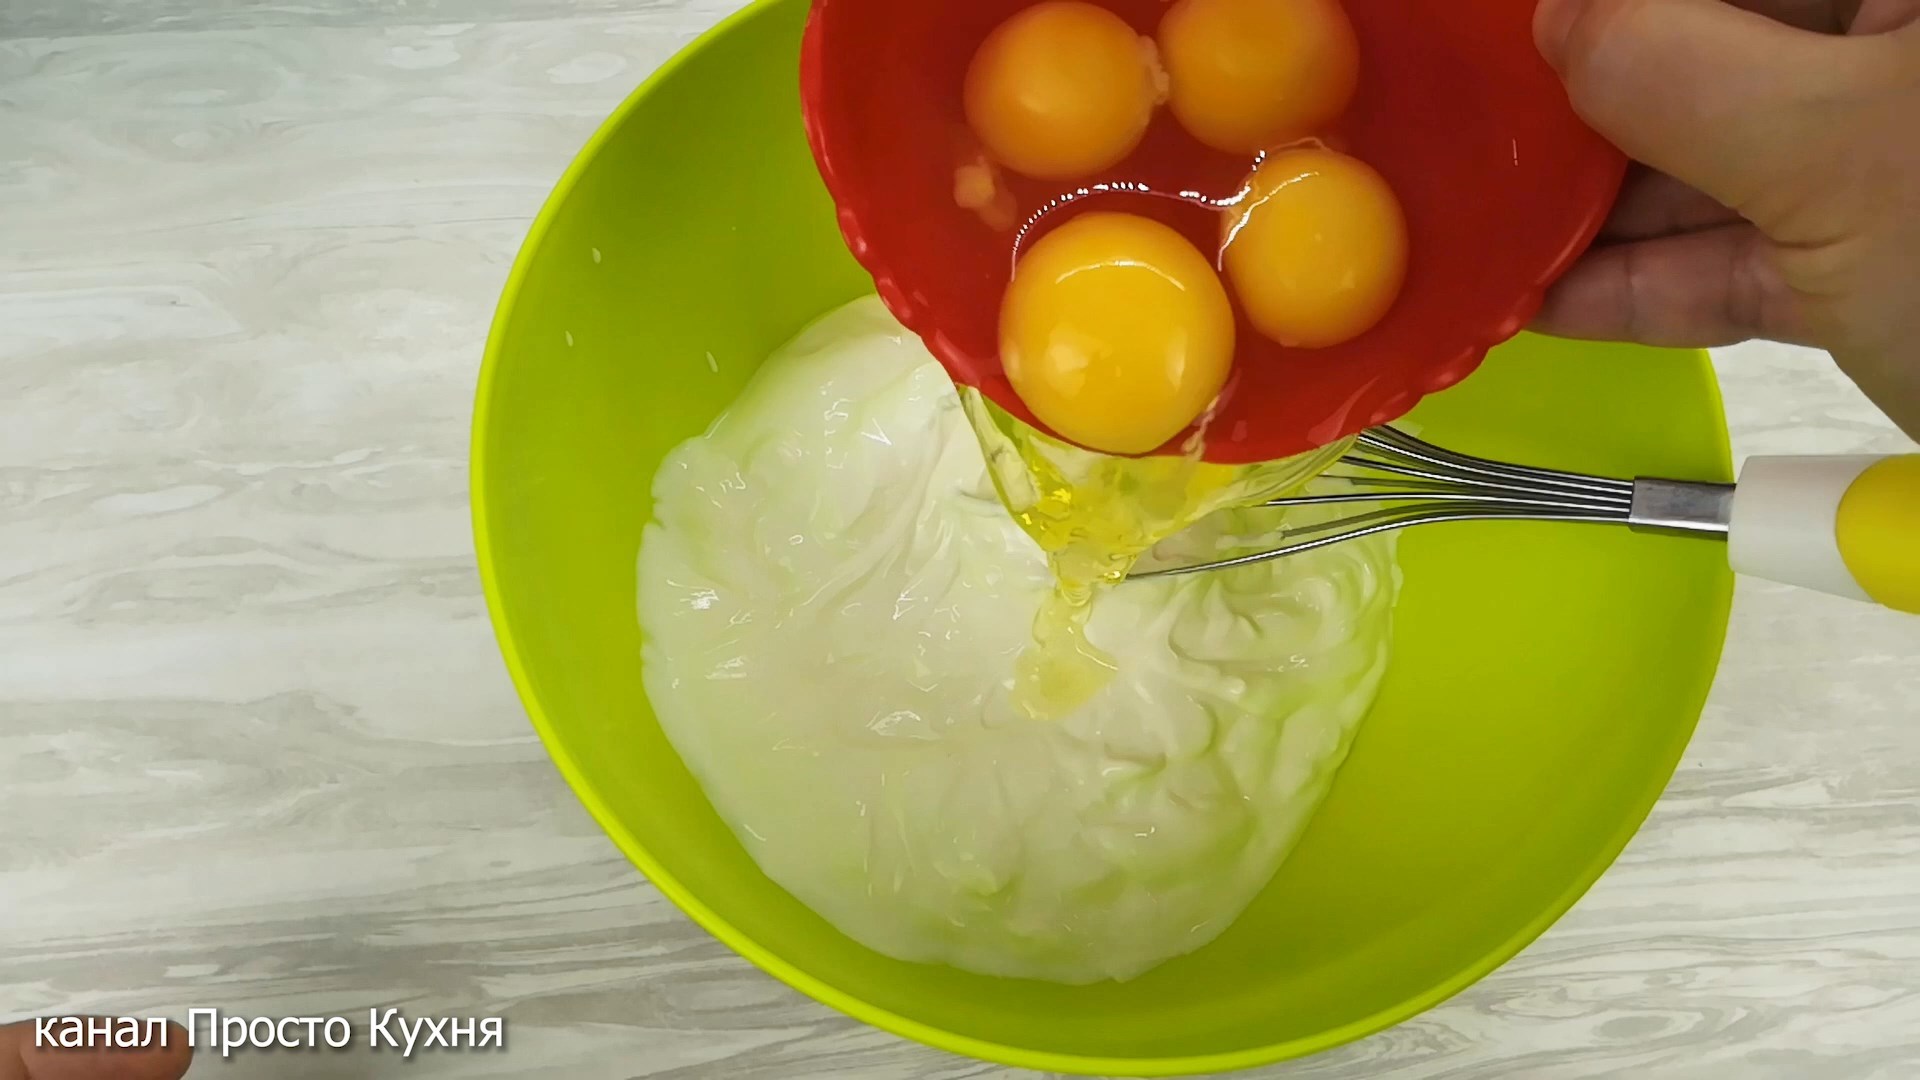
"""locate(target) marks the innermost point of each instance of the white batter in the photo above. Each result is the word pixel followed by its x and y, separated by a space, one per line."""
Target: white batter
pixel 833 600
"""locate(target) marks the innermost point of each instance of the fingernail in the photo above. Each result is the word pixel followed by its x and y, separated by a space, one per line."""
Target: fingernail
pixel 1552 24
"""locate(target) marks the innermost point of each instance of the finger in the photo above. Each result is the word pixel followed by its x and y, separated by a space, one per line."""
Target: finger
pixel 20 1059
pixel 1729 101
pixel 1882 16
pixel 1695 290
pixel 1654 204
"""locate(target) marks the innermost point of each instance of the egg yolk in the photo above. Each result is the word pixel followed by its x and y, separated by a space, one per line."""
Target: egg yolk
pixel 1062 90
pixel 1248 75
pixel 1116 332
pixel 1316 249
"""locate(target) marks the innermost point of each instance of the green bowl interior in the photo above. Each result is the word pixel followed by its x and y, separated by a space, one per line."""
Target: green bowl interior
pixel 1544 683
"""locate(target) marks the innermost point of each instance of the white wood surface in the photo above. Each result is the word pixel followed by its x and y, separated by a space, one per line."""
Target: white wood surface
pixel 257 749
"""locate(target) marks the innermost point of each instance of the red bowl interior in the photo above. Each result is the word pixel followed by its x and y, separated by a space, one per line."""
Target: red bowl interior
pixel 1503 186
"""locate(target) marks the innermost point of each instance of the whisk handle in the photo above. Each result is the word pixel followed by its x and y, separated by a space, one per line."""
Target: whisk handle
pixel 1849 526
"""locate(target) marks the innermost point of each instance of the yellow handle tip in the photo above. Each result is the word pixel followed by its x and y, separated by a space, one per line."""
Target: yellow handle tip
pixel 1878 531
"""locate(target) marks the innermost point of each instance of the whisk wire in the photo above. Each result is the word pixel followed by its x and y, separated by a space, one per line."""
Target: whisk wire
pixel 1425 484
pixel 1454 481
pixel 1394 439
pixel 1492 498
pixel 1460 467
pixel 1330 533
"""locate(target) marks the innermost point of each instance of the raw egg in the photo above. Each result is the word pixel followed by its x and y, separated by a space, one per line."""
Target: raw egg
pixel 1116 332
pixel 1062 90
pixel 1316 248
pixel 1247 75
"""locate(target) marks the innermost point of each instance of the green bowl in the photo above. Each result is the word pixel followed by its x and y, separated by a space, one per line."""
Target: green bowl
pixel 1544 682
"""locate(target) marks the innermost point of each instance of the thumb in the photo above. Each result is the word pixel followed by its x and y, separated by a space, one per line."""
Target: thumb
pixel 1719 97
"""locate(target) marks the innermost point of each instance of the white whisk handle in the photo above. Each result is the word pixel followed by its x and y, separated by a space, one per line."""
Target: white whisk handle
pixel 1849 526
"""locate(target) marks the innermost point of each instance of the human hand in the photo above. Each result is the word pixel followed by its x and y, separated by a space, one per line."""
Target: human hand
pixel 20 1059
pixel 1778 194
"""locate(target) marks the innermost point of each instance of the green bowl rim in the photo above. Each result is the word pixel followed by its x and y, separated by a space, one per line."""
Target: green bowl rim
pixel 771 962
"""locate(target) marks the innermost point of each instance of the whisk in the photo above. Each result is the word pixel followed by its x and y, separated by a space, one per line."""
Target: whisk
pixel 1843 525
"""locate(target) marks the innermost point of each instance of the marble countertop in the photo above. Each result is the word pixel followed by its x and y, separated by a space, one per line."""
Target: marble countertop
pixel 257 748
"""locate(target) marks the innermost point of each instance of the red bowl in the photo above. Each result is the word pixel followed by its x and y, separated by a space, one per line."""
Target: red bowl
pixel 1502 184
